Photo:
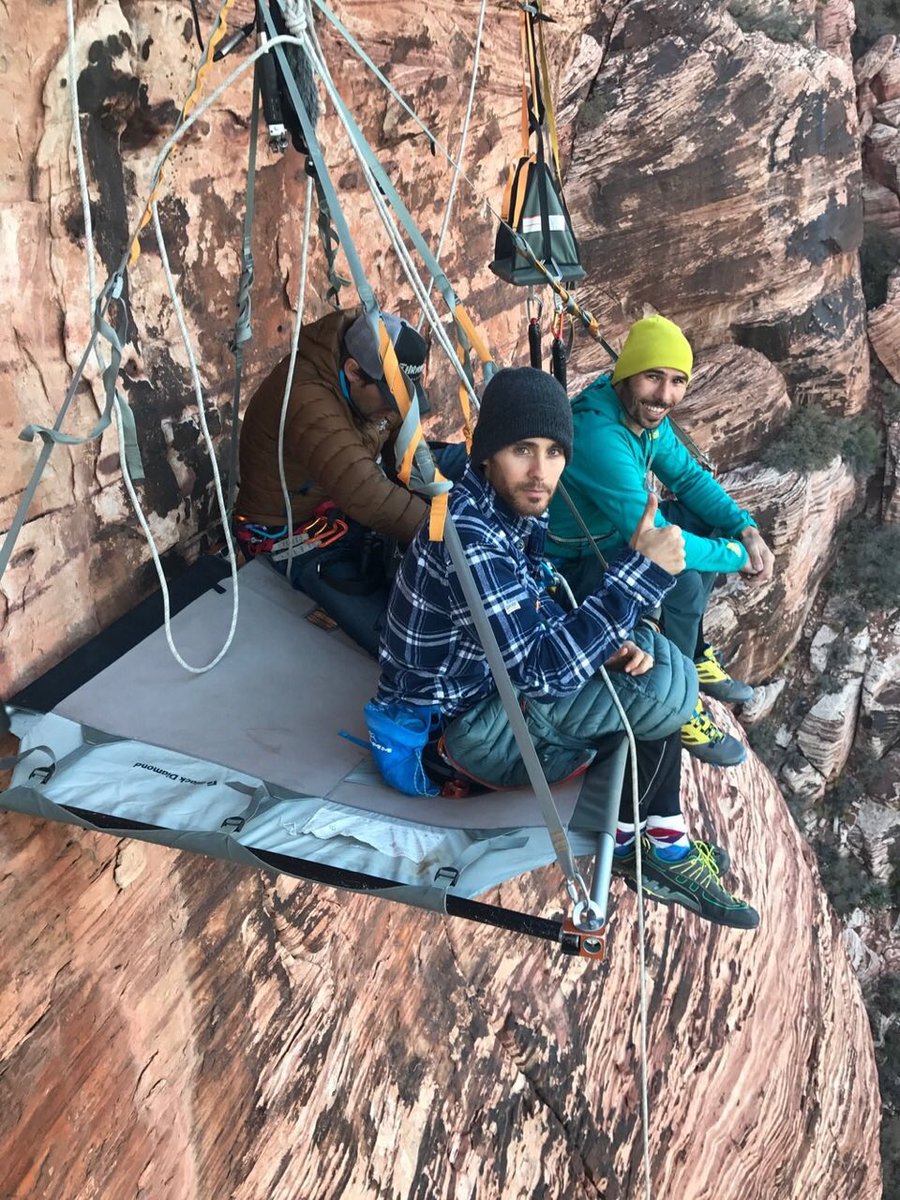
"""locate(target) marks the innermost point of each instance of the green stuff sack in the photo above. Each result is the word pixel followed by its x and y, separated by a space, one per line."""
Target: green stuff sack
pixel 533 207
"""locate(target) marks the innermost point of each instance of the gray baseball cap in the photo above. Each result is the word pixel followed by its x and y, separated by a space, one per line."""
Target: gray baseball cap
pixel 411 348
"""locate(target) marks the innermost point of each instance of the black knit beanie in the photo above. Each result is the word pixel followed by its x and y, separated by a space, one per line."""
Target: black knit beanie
pixel 521 403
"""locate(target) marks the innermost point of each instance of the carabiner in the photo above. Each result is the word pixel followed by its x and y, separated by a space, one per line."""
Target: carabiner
pixel 530 302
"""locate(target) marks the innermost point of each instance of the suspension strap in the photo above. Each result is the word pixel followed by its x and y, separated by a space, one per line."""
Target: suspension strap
pixel 328 239
pixel 575 884
pixel 243 330
pixel 205 66
pixel 53 436
pixel 460 316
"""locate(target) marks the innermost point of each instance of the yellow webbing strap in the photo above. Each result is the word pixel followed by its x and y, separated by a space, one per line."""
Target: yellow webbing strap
pixel 396 381
pixel 203 70
pixel 526 127
pixel 462 353
pixel 548 100
pixel 462 318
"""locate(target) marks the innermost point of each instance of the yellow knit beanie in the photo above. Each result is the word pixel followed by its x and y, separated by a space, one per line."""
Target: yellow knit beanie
pixel 654 342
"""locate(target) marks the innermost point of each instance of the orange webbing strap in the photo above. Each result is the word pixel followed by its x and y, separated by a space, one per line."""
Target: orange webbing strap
pixel 505 212
pixel 526 127
pixel 437 514
pixel 190 104
pixel 396 381
pixel 409 439
pixel 548 102
pixel 462 353
pixel 464 321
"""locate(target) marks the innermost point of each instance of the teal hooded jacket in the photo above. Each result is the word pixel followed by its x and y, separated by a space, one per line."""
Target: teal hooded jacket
pixel 608 481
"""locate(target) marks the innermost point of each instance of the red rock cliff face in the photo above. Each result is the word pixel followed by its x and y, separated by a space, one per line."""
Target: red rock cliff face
pixel 713 174
pixel 176 1028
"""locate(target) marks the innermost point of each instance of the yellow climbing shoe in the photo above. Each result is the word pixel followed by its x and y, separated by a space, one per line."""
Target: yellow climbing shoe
pixel 702 737
pixel 716 682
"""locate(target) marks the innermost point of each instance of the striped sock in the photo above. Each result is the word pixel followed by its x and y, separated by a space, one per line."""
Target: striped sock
pixel 668 836
pixel 624 839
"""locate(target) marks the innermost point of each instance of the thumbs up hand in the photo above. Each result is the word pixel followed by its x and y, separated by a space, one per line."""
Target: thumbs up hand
pixel 663 545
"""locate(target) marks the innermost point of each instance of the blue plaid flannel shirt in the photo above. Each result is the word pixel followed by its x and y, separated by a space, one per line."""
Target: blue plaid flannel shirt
pixel 430 652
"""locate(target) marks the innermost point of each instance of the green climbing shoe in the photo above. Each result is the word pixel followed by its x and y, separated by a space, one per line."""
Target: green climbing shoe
pixel 693 881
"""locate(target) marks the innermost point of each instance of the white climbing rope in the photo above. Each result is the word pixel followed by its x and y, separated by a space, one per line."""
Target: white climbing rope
pixel 119 401
pixel 217 478
pixel 296 15
pixel 289 382
pixel 642 949
pixel 460 154
pixel 415 280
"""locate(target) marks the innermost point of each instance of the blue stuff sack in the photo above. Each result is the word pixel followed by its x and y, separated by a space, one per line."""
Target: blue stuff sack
pixel 398 733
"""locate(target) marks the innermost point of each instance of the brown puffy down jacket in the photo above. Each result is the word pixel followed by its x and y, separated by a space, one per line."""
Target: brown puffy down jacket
pixel 329 452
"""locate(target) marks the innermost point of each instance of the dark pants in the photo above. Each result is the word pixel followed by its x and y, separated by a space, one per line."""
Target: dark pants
pixel 350 581
pixel 659 783
pixel 350 578
pixel 683 607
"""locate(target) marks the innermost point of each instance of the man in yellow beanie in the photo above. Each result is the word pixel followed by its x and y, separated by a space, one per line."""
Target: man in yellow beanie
pixel 622 435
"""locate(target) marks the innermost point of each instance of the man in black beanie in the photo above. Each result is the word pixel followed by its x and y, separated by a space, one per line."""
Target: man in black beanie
pixel 434 668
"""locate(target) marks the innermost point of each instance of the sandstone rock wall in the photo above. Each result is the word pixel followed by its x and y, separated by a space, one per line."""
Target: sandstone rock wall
pixel 713 174
pixel 174 1028
pixel 179 1029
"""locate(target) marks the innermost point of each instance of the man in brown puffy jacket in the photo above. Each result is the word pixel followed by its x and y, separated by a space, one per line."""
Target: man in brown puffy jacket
pixel 345 510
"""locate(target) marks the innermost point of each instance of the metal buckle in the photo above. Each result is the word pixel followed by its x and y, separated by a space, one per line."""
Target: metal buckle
pixel 591 942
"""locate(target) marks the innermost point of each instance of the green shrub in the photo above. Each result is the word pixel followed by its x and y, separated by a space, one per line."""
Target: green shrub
pixel 861 447
pixel 851 612
pixel 886 994
pixel 890 1075
pixel 890 399
pixel 879 255
pixel 779 23
pixel 762 740
pixel 811 438
pixel 594 109
pixel 874 18
pixel 890 1133
pixel 841 796
pixel 807 441
pixel 848 884
pixel 867 565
